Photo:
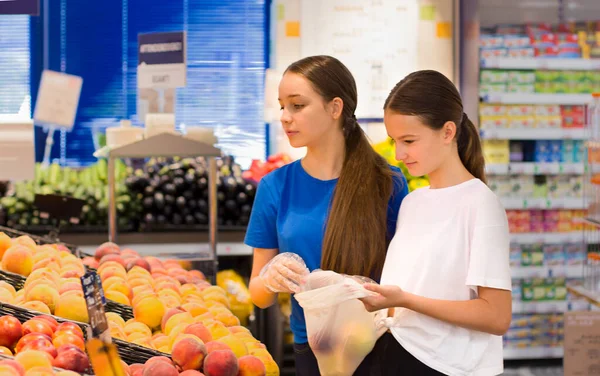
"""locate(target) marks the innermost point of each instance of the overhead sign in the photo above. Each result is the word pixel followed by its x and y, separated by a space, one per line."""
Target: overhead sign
pixel 31 7
pixel 17 150
pixel 162 60
pixel 58 99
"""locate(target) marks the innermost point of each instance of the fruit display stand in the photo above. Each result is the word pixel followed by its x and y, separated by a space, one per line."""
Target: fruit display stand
pixel 170 145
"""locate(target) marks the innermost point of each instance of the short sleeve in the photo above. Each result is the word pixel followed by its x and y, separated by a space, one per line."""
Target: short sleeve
pixel 489 263
pixel 399 191
pixel 262 228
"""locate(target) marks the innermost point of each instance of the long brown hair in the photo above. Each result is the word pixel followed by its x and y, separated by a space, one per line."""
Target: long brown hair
pixel 355 236
pixel 435 100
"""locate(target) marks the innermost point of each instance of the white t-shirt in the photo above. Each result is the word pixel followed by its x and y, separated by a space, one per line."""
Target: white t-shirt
pixel 448 242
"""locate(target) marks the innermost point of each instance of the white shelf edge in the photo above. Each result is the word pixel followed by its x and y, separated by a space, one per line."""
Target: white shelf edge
pixel 512 353
pixel 535 168
pixel 223 249
pixel 570 271
pixel 510 203
pixel 541 63
pixel 547 237
pixel 533 134
pixel 536 98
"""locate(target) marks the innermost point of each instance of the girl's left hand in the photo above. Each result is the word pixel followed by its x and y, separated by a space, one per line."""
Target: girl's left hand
pixel 387 297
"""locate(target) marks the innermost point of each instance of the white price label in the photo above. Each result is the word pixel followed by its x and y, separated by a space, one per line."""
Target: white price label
pixel 58 99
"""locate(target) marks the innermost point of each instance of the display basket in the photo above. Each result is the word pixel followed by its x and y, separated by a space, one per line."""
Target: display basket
pixel 40 240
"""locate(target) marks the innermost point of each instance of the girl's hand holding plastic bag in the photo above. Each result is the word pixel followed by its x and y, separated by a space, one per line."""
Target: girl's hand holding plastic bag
pixel 383 297
pixel 284 273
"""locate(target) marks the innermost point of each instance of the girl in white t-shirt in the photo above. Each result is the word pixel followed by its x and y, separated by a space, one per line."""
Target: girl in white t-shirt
pixel 446 276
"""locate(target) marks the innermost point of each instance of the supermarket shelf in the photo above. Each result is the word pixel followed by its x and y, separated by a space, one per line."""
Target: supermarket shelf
pixel 511 353
pixel 184 251
pixel 541 63
pixel 539 307
pixel 536 98
pixel 542 203
pixel 533 168
pixel 547 237
pixel 533 134
pixel 572 271
pixel 593 298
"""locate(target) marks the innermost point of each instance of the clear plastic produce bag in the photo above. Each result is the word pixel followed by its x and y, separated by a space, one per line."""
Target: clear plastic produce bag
pixel 341 332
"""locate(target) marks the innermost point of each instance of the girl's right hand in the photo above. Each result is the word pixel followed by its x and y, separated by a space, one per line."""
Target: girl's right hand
pixel 284 273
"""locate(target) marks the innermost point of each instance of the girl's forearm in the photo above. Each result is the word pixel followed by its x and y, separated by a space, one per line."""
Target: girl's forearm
pixel 476 314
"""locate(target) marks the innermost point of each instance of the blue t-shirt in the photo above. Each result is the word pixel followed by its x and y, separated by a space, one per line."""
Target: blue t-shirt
pixel 290 212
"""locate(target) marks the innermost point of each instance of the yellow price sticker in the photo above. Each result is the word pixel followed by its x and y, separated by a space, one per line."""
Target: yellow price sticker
pixel 104 358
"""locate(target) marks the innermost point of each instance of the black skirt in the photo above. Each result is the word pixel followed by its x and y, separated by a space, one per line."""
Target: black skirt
pixel 388 358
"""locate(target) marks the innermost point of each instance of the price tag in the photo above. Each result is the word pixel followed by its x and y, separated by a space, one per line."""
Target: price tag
pixel 94 299
pixel 17 150
pixel 58 99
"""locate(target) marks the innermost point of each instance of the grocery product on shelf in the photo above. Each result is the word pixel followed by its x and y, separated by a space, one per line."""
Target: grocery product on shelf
pixel 258 169
pixel 174 193
pixel 89 184
pixel 539 180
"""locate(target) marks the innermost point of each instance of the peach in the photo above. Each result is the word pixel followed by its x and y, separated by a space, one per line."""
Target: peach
pixel 41 274
pixel 73 292
pixel 113 271
pixel 117 296
pixel 221 363
pixel 217 330
pixel 117 332
pixel 33 358
pixel 237 345
pixel 40 345
pixel 48 262
pixel 200 331
pixel 6 296
pixel 197 273
pixel 128 252
pixel 5 243
pixel 169 301
pixel 177 319
pixel 169 312
pixel 139 271
pixel 72 307
pixel 11 331
pixel 134 367
pixel 106 249
pixel 161 341
pixel 71 273
pixel 137 335
pixel 138 297
pixel 239 329
pixel 195 309
pixel 26 339
pixel 68 327
pixel 18 259
pixel 140 281
pixel 228 319
pixel 72 359
pixel 215 345
pixel 138 327
pixel 67 373
pixel 139 262
pixel 7 286
pixel 25 241
pixel 37 326
pixel 43 293
pixel 144 342
pixel 49 320
pixel 167 285
pixel 116 318
pixel 159 369
pixel 67 338
pixel 251 346
pixel 13 365
pixel 191 372
pixel 90 262
pixel 109 264
pixel 112 257
pixel 171 293
pixel 214 289
pixel 71 286
pixel 250 365
pixel 5 351
pixel 149 311
pixel 216 297
pixel 188 354
pixel 177 330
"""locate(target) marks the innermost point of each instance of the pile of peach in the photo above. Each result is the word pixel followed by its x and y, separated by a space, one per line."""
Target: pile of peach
pixel 41 343
pixel 52 285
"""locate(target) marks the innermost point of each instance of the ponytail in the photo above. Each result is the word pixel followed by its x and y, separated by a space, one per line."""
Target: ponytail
pixel 469 148
pixel 355 238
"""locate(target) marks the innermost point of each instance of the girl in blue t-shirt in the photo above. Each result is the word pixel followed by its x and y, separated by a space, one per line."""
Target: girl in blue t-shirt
pixel 336 209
